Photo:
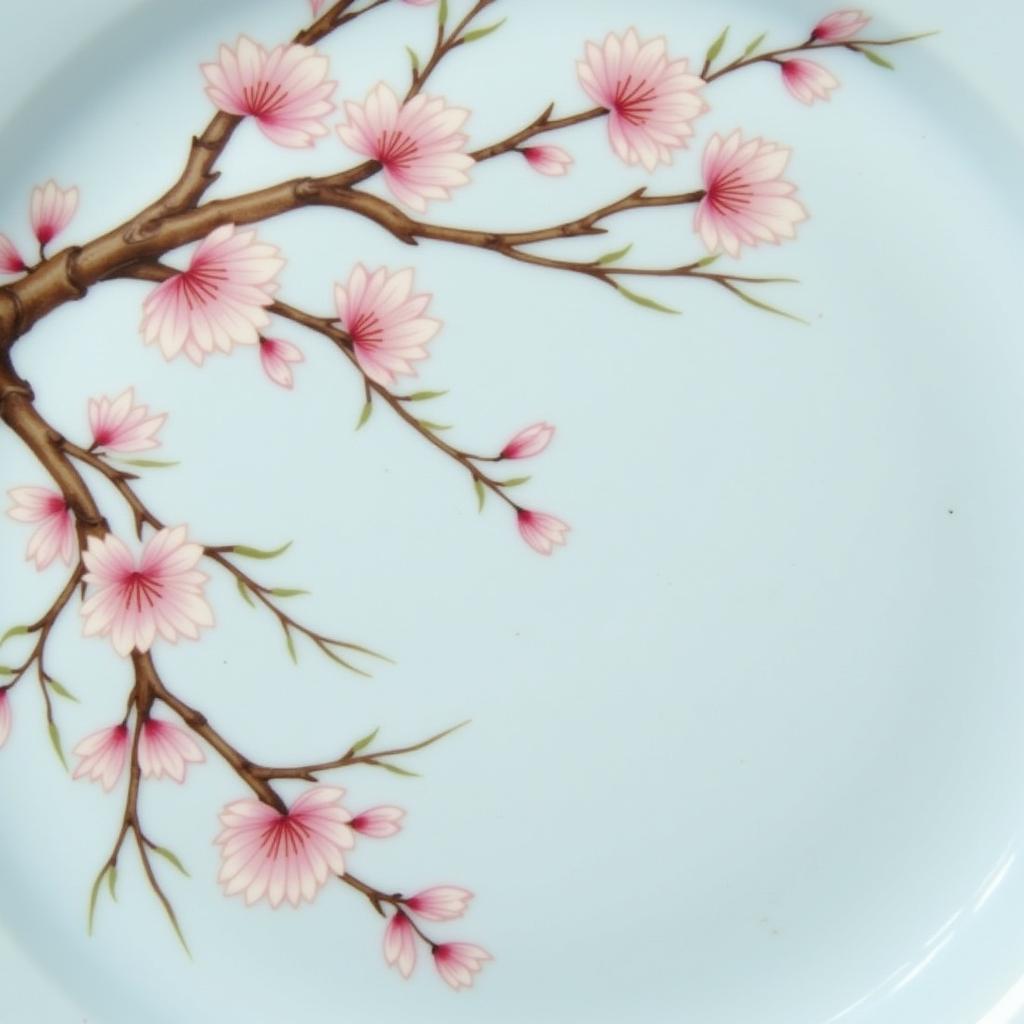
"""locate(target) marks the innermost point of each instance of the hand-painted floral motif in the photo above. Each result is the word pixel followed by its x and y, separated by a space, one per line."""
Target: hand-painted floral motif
pixel 55 535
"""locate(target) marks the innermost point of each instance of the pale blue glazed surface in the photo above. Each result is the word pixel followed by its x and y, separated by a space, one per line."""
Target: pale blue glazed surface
pixel 748 751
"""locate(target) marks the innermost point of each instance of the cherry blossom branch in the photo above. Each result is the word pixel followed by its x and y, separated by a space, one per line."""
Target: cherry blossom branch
pixel 444 45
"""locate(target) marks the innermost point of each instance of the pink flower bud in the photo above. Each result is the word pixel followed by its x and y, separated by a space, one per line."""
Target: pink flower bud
pixel 457 962
pixel 550 160
pixel 541 531
pixel 840 26
pixel 119 425
pixel 441 903
pixel 5 717
pixel 51 210
pixel 808 81
pixel 531 441
pixel 275 355
pixel 379 822
pixel 103 755
pixel 10 259
pixel 400 944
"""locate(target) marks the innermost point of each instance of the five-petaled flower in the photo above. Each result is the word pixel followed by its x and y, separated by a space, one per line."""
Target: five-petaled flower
pixel 286 90
pixel 747 202
pixel 441 903
pixel 457 962
pixel 400 944
pixel 528 442
pixel 275 356
pixel 51 210
pixel 219 302
pixel 840 26
pixel 385 321
pixel 540 530
pixel 379 822
pixel 161 594
pixel 651 101
pixel 418 144
pixel 164 749
pixel 119 425
pixel 551 160
pixel 808 81
pixel 267 854
pixel 56 532
pixel 103 755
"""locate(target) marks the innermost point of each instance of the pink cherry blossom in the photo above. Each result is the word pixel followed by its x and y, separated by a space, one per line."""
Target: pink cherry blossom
pixel 379 822
pixel 531 441
pixel 747 201
pixel 164 749
pixel 385 321
pixel 220 301
pixel 267 854
pixel 286 90
pixel 651 101
pixel 541 531
pixel 840 26
pixel 441 903
pixel 550 160
pixel 808 81
pixel 275 355
pixel 400 944
pixel 5 717
pixel 10 259
pixel 51 210
pixel 457 962
pixel 103 755
pixel 56 533
pixel 132 603
pixel 119 425
pixel 418 144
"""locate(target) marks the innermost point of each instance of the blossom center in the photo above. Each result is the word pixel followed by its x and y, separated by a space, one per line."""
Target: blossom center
pixel 139 588
pixel 264 99
pixel 633 100
pixel 55 506
pixel 366 330
pixel 396 150
pixel 286 837
pixel 201 284
pixel 730 193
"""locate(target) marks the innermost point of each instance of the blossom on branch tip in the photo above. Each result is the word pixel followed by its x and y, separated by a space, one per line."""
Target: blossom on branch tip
pixel 269 855
pixel 5 717
pixel 528 442
pixel 133 603
pixel 540 530
pixel 747 202
pixel 400 944
pixel 275 355
pixel 379 822
pixel 551 160
pixel 457 962
pixel 441 903
pixel 418 144
pixel 651 101
pixel 385 321
pixel 119 425
pixel 840 26
pixel 164 749
pixel 808 81
pixel 286 90
pixel 103 755
pixel 52 209
pixel 56 532
pixel 10 259
pixel 219 302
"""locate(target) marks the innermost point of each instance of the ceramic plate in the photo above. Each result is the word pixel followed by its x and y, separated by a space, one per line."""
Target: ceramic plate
pixel 514 512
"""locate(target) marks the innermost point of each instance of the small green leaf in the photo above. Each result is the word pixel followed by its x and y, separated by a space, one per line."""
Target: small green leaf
pixel 424 396
pixel 172 917
pixel 434 427
pixel 291 646
pixel 171 858
pixel 244 591
pixel 288 592
pixel 61 691
pixel 614 257
pixel 413 59
pixel 364 416
pixel 247 552
pixel 148 463
pixel 758 304
pixel 442 12
pixel 365 741
pixel 112 883
pixel 395 770
pixel 5 671
pixel 716 47
pixel 876 58
pixel 13 631
pixel 94 896
pixel 57 745
pixel 642 300
pixel 481 494
pixel 516 481
pixel 472 37
pixel 707 261
pixel 755 44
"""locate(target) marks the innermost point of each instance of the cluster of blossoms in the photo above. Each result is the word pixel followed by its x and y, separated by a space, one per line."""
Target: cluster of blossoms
pixel 51 210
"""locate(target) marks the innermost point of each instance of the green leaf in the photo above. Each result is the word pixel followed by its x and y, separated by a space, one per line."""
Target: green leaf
pixel 442 12
pixel 481 495
pixel 172 917
pixel 112 883
pixel 716 47
pixel 148 463
pixel 516 481
pixel 707 261
pixel 876 58
pixel 94 896
pixel 365 741
pixel 13 631
pixel 61 691
pixel 758 304
pixel 413 59
pixel 291 646
pixel 755 44
pixel 434 427
pixel 479 33
pixel 171 858
pixel 642 300
pixel 244 591
pixel 364 416
pixel 247 552
pixel 395 770
pixel 424 396
pixel 5 671
pixel 614 257
pixel 57 746
pixel 288 592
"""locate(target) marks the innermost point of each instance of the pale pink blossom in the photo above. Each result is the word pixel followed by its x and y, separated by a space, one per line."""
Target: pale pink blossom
pixel 400 944
pixel 275 355
pixel 457 962
pixel 220 301
pixel 651 101
pixel 51 210
pixel 379 822
pixel 528 442
pixel 441 903
pixel 840 26
pixel 161 594
pixel 103 755
pixel 550 160
pixel 808 81
pixel 10 259
pixel 385 321
pixel 267 854
pixel 5 717
pixel 286 90
pixel 164 749
pixel 418 144
pixel 747 202
pixel 56 532
pixel 119 425
pixel 541 531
